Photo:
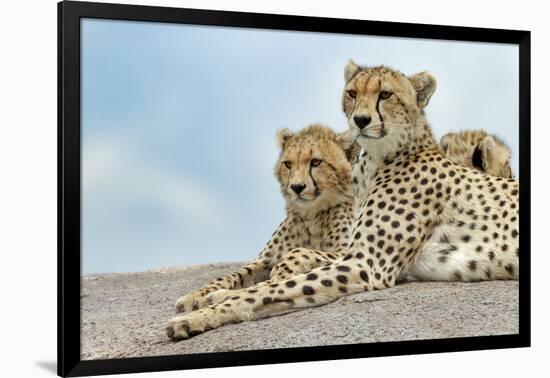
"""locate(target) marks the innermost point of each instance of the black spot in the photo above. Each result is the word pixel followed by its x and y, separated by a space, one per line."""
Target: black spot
pixel 357 235
pixel 472 265
pixel 250 300
pixel 326 283
pixel 343 268
pixel 311 277
pixel 308 290
pixel 290 283
pixel 267 300
pixel 342 279
pixel 364 276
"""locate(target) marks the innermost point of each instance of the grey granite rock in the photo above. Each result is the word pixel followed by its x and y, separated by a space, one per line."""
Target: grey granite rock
pixel 125 314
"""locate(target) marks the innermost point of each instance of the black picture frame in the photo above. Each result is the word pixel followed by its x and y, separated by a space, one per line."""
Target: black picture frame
pixel 69 197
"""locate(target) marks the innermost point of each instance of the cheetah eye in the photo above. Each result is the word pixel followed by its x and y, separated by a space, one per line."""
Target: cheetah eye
pixel 352 93
pixel 384 95
pixel 287 164
pixel 316 162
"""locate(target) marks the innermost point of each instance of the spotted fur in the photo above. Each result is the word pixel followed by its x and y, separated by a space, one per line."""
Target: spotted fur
pixel 318 218
pixel 478 150
pixel 418 213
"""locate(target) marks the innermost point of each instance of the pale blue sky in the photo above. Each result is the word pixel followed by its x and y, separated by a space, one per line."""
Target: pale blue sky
pixel 179 122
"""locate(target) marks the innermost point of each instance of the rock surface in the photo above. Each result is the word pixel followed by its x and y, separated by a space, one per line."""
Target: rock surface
pixel 124 315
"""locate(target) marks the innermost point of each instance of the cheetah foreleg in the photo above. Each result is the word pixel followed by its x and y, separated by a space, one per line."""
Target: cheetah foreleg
pixel 299 261
pixel 319 286
pixel 247 275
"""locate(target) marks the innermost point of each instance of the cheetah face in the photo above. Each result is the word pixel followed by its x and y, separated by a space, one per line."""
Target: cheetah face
pixel 315 165
pixel 381 105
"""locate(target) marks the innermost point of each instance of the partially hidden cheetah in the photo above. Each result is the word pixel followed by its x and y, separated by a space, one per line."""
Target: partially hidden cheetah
pixel 314 172
pixel 418 213
pixel 479 150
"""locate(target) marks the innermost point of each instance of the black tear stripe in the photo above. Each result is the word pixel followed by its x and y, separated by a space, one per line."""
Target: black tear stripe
pixel 378 110
pixel 317 192
pixel 288 179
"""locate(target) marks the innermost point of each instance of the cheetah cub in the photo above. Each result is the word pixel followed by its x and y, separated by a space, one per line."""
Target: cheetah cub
pixel 479 150
pixel 314 171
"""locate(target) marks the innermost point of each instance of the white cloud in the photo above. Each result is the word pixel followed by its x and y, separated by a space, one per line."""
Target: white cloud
pixel 115 170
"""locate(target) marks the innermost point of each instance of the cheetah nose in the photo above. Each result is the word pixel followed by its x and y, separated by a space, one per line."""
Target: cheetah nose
pixel 362 121
pixel 297 188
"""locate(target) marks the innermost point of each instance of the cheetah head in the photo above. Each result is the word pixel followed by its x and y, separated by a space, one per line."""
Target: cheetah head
pixel 478 150
pixel 314 166
pixel 382 106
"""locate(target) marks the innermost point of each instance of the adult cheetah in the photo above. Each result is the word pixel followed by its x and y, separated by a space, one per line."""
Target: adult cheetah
pixel 479 150
pixel 451 222
pixel 314 172
pixel 419 213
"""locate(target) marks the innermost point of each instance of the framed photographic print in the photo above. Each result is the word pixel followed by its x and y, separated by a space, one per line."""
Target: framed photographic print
pixel 239 188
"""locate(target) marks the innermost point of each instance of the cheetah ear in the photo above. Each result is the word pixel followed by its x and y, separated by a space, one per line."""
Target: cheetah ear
pixel 350 147
pixel 350 70
pixel 424 84
pixel 283 135
pixel 445 141
pixel 490 149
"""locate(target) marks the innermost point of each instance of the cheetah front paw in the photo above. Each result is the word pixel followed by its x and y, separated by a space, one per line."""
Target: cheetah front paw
pixel 184 326
pixel 200 299
pixel 191 302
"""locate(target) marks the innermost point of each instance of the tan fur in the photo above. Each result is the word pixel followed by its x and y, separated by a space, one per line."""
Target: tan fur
pixel 313 218
pixel 478 150
pixel 419 213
